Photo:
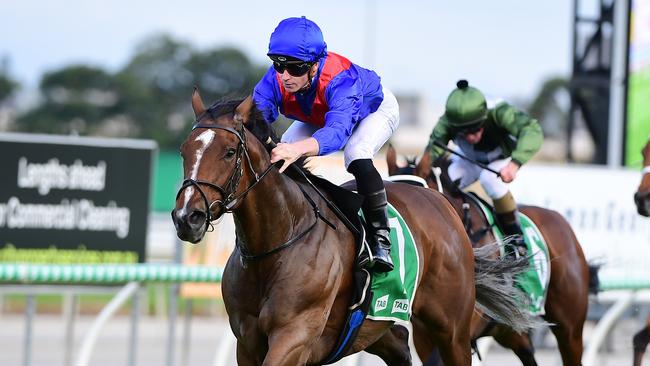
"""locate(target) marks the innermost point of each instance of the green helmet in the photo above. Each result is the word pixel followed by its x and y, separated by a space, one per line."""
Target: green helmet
pixel 466 107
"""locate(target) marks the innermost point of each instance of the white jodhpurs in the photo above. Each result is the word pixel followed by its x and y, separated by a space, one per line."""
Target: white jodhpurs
pixel 470 173
pixel 368 136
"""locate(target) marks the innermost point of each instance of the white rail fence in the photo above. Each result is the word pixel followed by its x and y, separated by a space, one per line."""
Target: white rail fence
pixel 133 275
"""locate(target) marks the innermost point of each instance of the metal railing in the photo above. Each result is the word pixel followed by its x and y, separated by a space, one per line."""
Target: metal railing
pixel 133 275
pixel 106 273
pixel 100 274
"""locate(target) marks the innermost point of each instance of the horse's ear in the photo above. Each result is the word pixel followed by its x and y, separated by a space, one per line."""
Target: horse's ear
pixel 424 166
pixel 243 111
pixel 391 160
pixel 197 103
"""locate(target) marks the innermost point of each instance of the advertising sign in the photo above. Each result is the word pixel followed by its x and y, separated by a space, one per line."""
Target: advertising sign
pixel 73 199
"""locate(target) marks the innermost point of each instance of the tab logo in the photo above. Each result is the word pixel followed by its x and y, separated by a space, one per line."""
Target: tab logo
pixel 400 306
pixel 381 303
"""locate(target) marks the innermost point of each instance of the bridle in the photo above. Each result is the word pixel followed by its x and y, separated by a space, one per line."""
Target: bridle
pixel 229 190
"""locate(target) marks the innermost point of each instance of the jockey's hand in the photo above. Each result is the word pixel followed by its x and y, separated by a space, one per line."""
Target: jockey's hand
pixel 509 172
pixel 290 152
pixel 286 152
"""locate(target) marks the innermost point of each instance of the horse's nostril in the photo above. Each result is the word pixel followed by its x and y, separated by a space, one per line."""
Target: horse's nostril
pixel 196 218
pixel 177 217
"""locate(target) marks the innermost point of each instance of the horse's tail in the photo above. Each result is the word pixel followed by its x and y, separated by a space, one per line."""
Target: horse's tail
pixel 497 294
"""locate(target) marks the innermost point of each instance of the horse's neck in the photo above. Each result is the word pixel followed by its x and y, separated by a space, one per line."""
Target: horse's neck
pixel 440 181
pixel 455 198
pixel 271 213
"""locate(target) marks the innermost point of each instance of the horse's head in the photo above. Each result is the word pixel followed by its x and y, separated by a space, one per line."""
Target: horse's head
pixel 218 165
pixel 394 169
pixel 642 195
pixel 423 169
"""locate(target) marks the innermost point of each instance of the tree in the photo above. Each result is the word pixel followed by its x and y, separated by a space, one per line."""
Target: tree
pixel 7 87
pixel 159 79
pixel 76 99
pixel 148 98
pixel 224 72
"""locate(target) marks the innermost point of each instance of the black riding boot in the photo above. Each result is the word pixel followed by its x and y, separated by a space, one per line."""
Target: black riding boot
pixel 374 210
pixel 511 227
pixel 371 186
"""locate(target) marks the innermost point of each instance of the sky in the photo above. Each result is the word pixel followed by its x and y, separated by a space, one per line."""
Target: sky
pixel 507 48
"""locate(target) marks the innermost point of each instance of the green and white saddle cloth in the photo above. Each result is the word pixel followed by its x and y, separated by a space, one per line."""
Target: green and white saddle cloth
pixel 533 282
pixel 393 292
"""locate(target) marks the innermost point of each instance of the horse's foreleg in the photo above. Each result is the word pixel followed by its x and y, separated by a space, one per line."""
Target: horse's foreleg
pixel 289 346
pixel 243 357
pixel 393 347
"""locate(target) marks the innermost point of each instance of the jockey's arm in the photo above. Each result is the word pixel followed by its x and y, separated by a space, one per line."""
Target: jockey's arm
pixel 526 129
pixel 441 134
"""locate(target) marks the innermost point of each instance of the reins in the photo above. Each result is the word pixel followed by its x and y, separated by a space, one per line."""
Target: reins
pixel 328 202
pixel 231 199
pixel 467 200
pixel 243 252
pixel 483 166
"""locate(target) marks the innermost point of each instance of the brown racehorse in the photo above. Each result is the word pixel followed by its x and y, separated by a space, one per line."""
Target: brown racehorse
pixel 642 201
pixel 288 283
pixel 568 290
pixel 642 195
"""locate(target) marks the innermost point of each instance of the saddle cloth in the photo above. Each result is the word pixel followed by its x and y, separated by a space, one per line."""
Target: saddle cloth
pixel 533 282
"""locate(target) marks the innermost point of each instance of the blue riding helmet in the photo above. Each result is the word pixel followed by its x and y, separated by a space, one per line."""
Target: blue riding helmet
pixel 298 37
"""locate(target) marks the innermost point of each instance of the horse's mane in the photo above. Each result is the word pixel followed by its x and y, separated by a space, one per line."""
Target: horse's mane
pixel 258 126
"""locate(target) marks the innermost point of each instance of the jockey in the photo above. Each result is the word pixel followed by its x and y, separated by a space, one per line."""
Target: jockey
pixel 500 136
pixel 335 105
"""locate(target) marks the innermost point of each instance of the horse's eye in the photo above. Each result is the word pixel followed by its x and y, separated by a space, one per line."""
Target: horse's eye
pixel 230 153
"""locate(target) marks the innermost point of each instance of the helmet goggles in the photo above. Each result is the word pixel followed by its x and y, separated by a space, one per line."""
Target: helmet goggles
pixel 471 128
pixel 292 65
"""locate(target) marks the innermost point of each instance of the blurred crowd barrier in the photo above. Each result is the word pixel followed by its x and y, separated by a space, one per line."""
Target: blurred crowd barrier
pixel 598 203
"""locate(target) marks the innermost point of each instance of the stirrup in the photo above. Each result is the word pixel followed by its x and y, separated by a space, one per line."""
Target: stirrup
pixel 517 249
pixel 381 266
pixel 520 251
pixel 382 263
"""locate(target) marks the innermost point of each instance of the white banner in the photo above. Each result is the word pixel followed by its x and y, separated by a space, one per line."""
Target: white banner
pixel 598 203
